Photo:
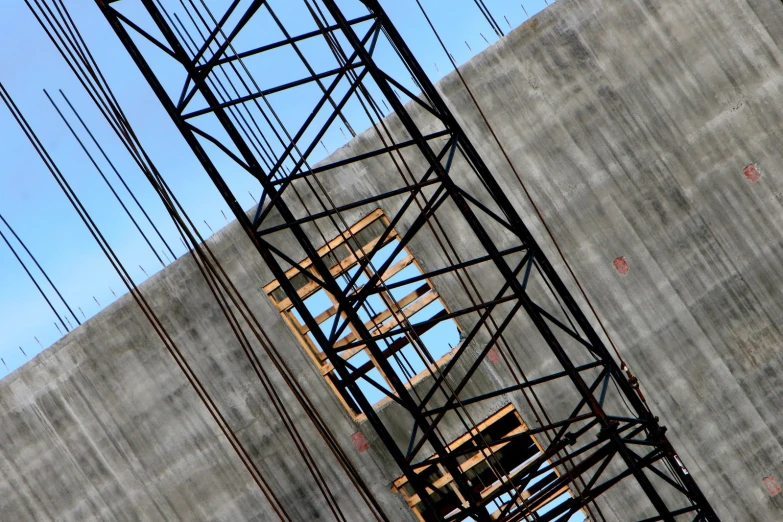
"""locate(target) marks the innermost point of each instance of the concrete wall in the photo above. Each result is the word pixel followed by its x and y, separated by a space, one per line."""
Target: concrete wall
pixel 632 122
pixel 104 426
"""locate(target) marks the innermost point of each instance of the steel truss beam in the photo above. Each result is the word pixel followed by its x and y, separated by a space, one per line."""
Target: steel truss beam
pixel 587 436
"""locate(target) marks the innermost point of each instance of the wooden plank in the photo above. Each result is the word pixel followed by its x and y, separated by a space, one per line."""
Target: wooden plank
pixel 384 327
pixel 326 314
pixel 416 379
pixel 331 245
pixel 480 456
pixel 336 270
pixel 459 441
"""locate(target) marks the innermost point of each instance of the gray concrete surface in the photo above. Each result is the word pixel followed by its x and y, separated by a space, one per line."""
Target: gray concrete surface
pixel 104 426
pixel 632 123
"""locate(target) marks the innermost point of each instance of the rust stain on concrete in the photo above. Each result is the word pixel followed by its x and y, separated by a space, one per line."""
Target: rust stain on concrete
pixel 493 355
pixel 772 485
pixel 360 442
pixel 621 265
pixel 752 173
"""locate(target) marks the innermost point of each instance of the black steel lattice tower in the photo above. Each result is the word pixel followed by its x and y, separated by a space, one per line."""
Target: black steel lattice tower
pixel 597 431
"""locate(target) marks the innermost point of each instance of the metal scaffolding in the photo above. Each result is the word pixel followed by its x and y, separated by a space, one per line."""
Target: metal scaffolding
pixel 594 429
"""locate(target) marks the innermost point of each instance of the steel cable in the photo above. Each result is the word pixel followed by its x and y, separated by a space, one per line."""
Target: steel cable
pixel 141 301
pixel 40 268
pixel 121 127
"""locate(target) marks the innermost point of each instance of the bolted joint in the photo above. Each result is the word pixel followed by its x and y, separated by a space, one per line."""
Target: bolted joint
pixel 607 430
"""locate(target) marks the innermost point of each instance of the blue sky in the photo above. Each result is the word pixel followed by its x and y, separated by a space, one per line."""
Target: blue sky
pixel 40 214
